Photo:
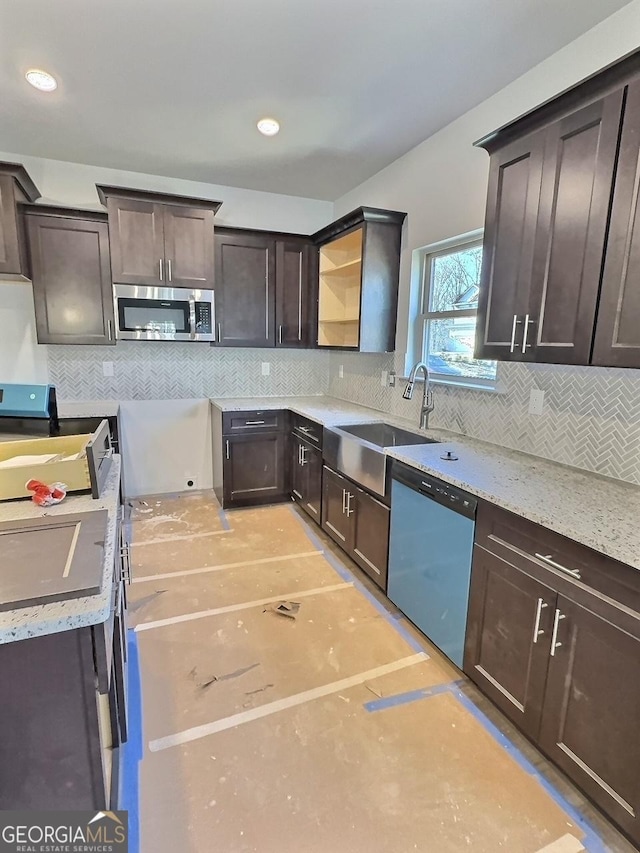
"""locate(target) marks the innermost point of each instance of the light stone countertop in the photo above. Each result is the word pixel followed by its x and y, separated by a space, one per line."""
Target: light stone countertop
pixel 75 612
pixel 599 512
pixel 88 408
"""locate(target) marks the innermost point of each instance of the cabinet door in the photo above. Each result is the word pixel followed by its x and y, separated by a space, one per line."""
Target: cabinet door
pixel 254 468
pixel 577 180
pixel 136 237
pixel 10 259
pixel 371 537
pixel 294 263
pixel 71 280
pixel 512 208
pixel 617 338
pixel 245 289
pixel 508 637
pixel 299 478
pixel 313 497
pixel 188 246
pixel 336 520
pixel 592 708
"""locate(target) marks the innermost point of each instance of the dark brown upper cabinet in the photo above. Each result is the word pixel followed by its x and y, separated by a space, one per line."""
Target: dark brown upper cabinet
pixel 359 265
pixel 71 276
pixel 264 288
pixel 558 282
pixel 617 338
pixel 160 240
pixel 15 186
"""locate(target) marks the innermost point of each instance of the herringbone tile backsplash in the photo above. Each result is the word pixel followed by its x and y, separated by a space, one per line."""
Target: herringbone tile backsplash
pixel 591 415
pixel 159 371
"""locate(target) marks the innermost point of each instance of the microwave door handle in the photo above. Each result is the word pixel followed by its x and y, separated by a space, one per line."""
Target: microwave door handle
pixel 192 316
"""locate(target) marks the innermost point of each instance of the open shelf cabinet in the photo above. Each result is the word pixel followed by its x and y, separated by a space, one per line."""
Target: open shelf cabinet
pixel 359 261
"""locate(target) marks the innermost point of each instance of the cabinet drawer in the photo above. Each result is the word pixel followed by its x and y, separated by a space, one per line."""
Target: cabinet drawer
pixel 253 421
pixel 306 428
pixel 560 562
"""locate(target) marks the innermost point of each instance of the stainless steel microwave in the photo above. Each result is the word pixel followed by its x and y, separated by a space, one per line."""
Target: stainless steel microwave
pixel 164 313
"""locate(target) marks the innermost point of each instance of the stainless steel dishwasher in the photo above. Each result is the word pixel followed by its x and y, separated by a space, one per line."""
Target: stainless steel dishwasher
pixel 430 548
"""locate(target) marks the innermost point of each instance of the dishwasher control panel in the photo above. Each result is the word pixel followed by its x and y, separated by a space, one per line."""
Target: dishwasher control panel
pixel 438 490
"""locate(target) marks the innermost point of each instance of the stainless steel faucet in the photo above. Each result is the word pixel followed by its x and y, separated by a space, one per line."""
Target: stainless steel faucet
pixel 427 394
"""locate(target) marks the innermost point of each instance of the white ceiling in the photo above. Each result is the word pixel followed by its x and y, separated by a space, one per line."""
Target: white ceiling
pixel 174 87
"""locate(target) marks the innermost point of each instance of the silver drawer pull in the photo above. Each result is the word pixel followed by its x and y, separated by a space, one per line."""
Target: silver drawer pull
pixel 554 637
pixel 303 458
pixel 349 511
pixel 536 628
pixel 227 448
pixel 305 429
pixel 546 558
pixel 253 423
pixel 161 270
pixel 344 501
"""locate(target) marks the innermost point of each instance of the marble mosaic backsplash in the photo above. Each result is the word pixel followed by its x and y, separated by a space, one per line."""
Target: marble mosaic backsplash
pixel 591 415
pixel 159 371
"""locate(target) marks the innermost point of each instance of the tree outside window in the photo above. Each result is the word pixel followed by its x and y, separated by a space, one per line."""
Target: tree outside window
pixel 450 287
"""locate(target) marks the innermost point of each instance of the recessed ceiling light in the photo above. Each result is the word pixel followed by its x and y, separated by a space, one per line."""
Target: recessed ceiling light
pixel 41 80
pixel 268 126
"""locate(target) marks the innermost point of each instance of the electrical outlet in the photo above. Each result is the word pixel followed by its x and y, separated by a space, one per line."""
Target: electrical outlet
pixel 341 372
pixel 190 482
pixel 383 378
pixel 266 368
pixel 392 379
pixel 536 401
pixel 107 368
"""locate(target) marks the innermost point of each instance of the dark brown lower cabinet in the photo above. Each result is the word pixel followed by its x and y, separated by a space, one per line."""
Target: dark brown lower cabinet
pixel 358 522
pixel 591 707
pixel 507 642
pixel 64 716
pixel 336 518
pixel 371 536
pixel 553 638
pixel 306 476
pixel 254 468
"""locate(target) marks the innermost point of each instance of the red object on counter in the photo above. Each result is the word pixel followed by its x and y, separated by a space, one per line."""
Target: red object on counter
pixel 44 495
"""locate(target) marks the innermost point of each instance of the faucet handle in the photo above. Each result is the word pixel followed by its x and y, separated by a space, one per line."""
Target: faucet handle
pixel 429 401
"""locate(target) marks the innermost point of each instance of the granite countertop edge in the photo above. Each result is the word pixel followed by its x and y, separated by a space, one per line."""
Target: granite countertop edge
pixel 54 617
pixel 591 509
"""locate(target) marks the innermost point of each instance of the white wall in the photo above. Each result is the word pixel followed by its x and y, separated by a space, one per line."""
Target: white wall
pixel 442 183
pixel 21 360
pixel 163 443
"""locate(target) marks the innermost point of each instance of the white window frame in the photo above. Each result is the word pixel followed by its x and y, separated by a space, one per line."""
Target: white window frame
pixel 426 255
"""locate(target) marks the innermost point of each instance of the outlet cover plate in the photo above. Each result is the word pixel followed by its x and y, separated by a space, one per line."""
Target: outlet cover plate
pixel 536 401
pixel 266 368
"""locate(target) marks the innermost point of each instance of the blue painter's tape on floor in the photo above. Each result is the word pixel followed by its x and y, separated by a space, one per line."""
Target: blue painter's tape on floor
pixel 591 841
pixel 131 751
pixel 346 575
pixel 410 696
pixel 223 519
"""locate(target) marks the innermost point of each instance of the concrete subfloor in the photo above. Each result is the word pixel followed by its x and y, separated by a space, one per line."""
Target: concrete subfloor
pixel 266 733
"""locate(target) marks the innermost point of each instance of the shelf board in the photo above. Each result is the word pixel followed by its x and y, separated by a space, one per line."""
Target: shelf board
pixel 346 320
pixel 348 268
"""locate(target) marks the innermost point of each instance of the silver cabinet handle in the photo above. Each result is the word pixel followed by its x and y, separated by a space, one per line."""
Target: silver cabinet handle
pixel 536 628
pixel 344 501
pixel 349 510
pixel 227 447
pixel 219 333
pixel 546 558
pixel 513 333
pixel 125 557
pixel 299 454
pixel 300 297
pixel 253 423
pixel 525 333
pixel 109 330
pixel 169 269
pixel 161 269
pixel 280 333
pixel 554 636
pixel 303 458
